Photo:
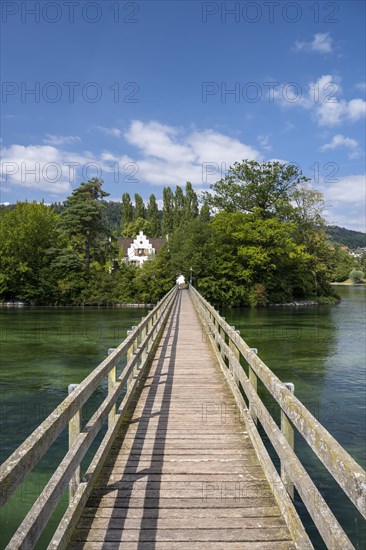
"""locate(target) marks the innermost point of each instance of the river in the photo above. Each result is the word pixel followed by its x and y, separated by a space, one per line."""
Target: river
pixel 321 349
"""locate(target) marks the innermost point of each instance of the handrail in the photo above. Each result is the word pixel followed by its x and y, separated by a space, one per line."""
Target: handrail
pixel 345 470
pixel 137 346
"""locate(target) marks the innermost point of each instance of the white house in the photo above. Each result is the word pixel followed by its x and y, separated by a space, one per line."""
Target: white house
pixel 141 248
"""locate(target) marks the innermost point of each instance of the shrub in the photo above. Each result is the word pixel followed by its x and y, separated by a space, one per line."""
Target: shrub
pixel 356 276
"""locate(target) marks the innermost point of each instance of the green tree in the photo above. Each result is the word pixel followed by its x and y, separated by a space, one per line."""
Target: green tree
pixel 28 234
pixel 127 212
pixel 205 213
pixel 188 248
pixel 340 264
pixel 356 276
pixel 190 202
pixel 251 187
pixel 82 219
pixel 168 211
pixel 133 228
pixel 178 206
pixel 154 278
pixel 254 261
pixel 153 217
pixel 139 207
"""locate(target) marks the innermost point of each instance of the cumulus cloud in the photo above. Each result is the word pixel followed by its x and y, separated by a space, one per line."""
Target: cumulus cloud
pixel 347 197
pixel 341 141
pixel 321 43
pixel 323 99
pixel 47 168
pixel 167 153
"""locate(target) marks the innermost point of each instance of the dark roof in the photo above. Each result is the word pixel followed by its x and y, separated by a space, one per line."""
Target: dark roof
pixel 124 242
pixel 157 242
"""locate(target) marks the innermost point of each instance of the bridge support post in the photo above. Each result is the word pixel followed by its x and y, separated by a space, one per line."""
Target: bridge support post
pixel 74 432
pixel 288 432
pixel 253 379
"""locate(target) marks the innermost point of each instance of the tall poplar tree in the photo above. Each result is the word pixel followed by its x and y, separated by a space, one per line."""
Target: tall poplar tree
pixel 190 202
pixel 178 206
pixel 139 207
pixel 127 211
pixel 153 216
pixel 168 211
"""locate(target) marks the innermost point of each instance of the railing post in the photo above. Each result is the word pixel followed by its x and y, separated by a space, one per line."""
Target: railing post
pixel 143 336
pixel 288 432
pixel 74 432
pixel 222 334
pixel 130 352
pixel 254 382
pixel 234 349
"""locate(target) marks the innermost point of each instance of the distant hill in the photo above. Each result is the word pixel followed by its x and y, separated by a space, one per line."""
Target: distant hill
pixel 347 237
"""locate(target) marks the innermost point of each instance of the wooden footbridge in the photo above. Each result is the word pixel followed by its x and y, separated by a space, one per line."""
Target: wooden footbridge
pixel 182 464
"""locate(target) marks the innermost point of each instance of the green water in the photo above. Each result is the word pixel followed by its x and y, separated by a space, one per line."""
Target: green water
pixel 44 350
pixel 320 349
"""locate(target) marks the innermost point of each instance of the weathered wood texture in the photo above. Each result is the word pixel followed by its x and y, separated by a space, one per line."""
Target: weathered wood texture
pixel 227 343
pixel 22 461
pixel 182 473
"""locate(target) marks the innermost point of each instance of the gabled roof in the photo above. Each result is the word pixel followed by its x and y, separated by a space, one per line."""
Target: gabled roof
pixel 156 242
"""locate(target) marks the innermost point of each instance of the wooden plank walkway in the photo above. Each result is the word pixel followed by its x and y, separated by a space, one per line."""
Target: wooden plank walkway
pixel 182 473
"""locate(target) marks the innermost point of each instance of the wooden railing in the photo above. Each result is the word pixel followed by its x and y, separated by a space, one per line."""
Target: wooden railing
pixel 230 348
pixel 137 349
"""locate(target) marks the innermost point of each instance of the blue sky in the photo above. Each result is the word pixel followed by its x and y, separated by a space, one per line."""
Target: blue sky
pixel 148 94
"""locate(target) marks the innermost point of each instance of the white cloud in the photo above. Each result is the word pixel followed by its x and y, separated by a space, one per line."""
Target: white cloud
pixel 321 43
pixel 52 139
pixel 170 157
pixel 347 197
pixel 322 98
pixel 47 168
pixel 341 141
pixel 115 132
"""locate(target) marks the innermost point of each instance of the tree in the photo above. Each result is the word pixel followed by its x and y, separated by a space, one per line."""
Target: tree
pixel 134 227
pixel 340 263
pixel 188 248
pixel 178 206
pixel 205 213
pixel 139 207
pixel 82 218
pixel 190 202
pixel 168 207
pixel 252 261
pixel 28 234
pixel 251 187
pixel 127 211
pixel 356 276
pixel 153 217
